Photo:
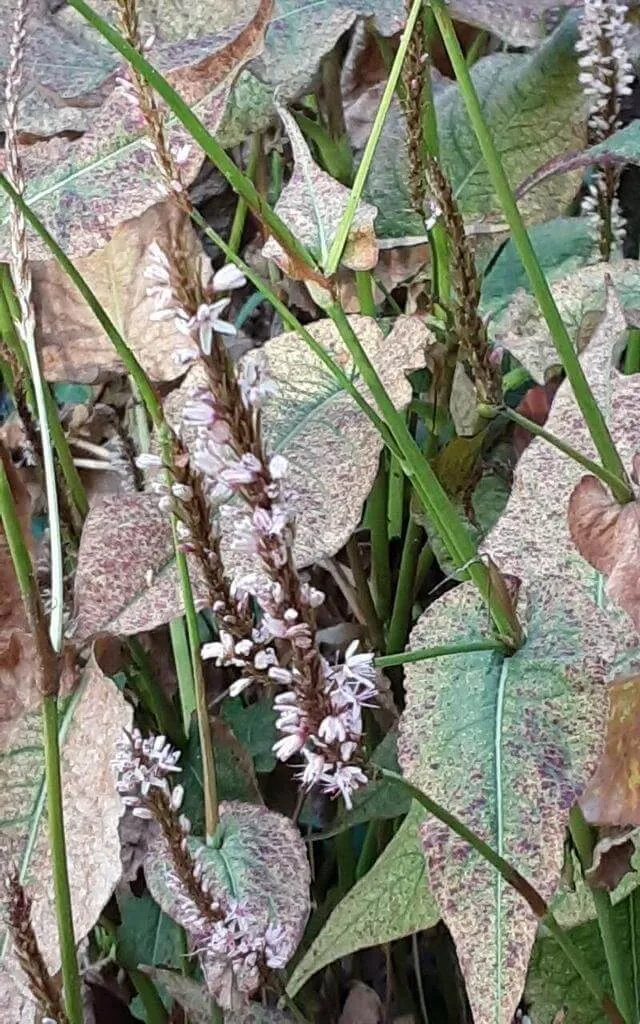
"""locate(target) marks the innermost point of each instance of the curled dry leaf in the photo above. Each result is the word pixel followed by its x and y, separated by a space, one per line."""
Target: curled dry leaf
pixel 126 581
pixel 312 205
pixel 84 190
pixel 73 345
pixel 91 724
pixel 259 860
pixel 332 448
pixel 607 534
pixel 506 745
pixel 581 299
pixel 611 858
pixel 612 796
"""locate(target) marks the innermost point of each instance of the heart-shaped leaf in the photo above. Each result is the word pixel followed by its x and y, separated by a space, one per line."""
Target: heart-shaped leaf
pixel 391 901
pixel 126 581
pixel 506 745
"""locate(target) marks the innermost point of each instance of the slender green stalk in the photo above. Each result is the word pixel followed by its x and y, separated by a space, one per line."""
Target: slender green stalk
pixel 379 531
pixel 425 561
pixel 603 474
pixel 364 285
pixel 239 181
pixel 517 881
pixel 632 352
pixel 431 493
pixel 417 970
pixel 240 215
pixel 369 850
pixel 152 696
pixel 438 235
pixel 568 356
pixel 584 840
pixel 426 653
pixel 155 1012
pixel 182 661
pixel 28 589
pixel 342 232
pixel 8 314
pixel 363 594
pixel 403 602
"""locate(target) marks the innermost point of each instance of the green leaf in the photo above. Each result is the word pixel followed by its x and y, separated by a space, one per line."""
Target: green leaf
pixel 391 901
pixel 554 992
pixel 381 798
pixel 195 999
pixel 562 246
pixel 146 935
pixel 533 109
pixel 235 776
pixel 506 745
pixel 255 728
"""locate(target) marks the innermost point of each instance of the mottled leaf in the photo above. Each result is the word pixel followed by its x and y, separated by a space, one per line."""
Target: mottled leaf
pixel 520 22
pixel 84 190
pixel 195 999
pixel 146 935
pixel 126 580
pixel 91 724
pixel 312 204
pixel 332 448
pixel 581 301
pixel 391 901
pixel 562 246
pixel 66 73
pixel 533 108
pixel 612 796
pixel 258 859
pixel 556 994
pixel 607 535
pixel 506 745
pixel 73 345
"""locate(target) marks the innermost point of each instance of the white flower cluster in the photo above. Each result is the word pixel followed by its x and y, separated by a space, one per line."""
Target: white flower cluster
pixel 606 75
pixel 141 764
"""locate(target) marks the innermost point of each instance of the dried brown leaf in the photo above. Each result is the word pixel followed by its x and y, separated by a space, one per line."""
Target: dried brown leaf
pixel 607 535
pixel 91 725
pixel 312 205
pixel 612 796
pixel 611 859
pixel 332 448
pixel 126 581
pixel 73 345
pixel 362 1006
pixel 84 190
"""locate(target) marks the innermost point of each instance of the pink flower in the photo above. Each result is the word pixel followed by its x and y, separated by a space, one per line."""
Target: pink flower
pixel 289 745
pixel 343 781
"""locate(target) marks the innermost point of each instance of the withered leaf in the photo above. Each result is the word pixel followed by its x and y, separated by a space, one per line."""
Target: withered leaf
pixel 83 190
pixel 72 343
pixel 608 536
pixel 612 796
pixel 506 745
pixel 611 858
pixel 91 723
pixel 126 580
pixel 332 448
pixel 312 205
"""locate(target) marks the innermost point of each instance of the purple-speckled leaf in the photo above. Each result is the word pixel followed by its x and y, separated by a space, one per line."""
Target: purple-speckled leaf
pixel 507 745
pixel 126 581
pixel 84 190
pixel 258 859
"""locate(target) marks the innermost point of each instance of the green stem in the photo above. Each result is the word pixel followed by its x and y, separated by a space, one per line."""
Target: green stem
pixel 431 493
pixel 8 314
pixel 603 474
pixel 364 285
pixel 155 1012
pixel 376 516
pixel 438 235
pixel 369 850
pixel 524 888
pixel 240 215
pixel 152 696
pixel 632 352
pixel 401 614
pixel 342 232
pixel 28 590
pixel 182 660
pixel 426 653
pixel 363 595
pixel 589 408
pixel 239 181
pixel 584 840
pixel 425 561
